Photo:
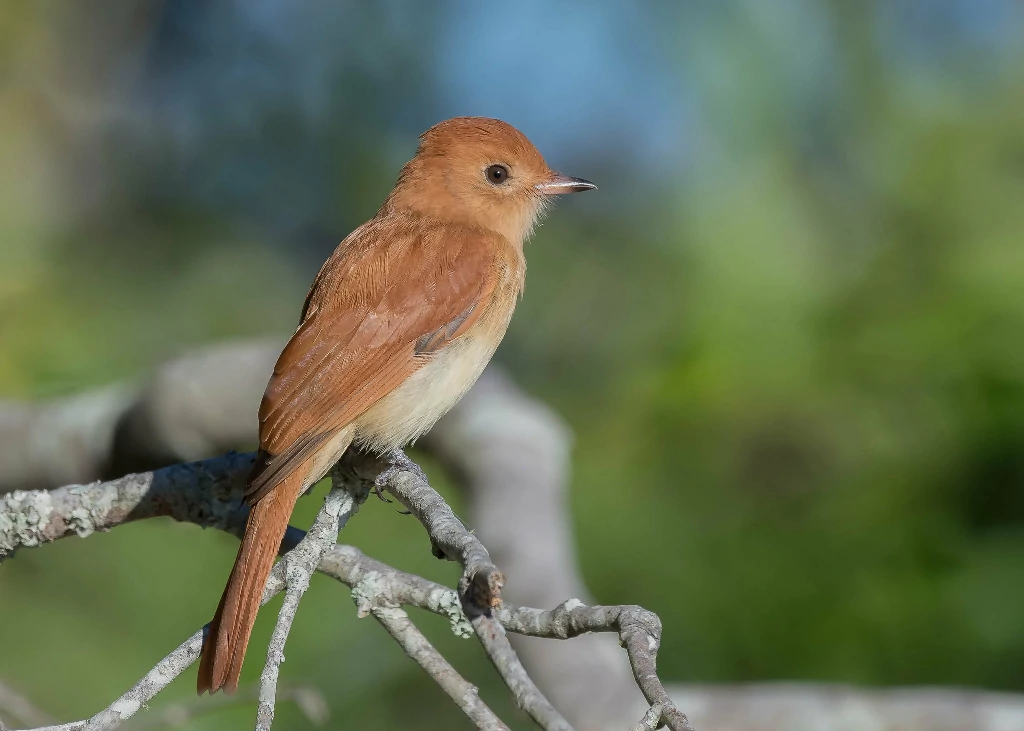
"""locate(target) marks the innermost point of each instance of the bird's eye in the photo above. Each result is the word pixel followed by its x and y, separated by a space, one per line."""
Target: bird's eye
pixel 496 174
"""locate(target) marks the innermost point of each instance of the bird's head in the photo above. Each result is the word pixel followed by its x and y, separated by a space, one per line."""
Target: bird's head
pixel 481 172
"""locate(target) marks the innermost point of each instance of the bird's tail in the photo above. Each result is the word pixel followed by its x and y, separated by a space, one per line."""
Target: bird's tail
pixel 224 647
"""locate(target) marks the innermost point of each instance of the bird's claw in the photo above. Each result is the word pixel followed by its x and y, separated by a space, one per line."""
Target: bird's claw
pixel 380 482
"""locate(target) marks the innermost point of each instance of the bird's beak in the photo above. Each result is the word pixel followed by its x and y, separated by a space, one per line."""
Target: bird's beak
pixel 557 184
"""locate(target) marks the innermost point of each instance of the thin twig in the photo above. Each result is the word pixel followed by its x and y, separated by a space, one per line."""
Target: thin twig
pixel 639 632
pixel 397 623
pixel 481 580
pixel 481 583
pixel 528 696
pixel 299 565
pixel 650 721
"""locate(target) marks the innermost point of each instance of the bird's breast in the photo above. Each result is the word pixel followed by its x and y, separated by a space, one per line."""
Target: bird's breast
pixel 424 397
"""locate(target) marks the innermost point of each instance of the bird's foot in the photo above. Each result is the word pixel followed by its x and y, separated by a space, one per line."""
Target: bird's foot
pixel 381 480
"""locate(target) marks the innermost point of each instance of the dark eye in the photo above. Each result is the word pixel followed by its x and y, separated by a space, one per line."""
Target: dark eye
pixel 496 174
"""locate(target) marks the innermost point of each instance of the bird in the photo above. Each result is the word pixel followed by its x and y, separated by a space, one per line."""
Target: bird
pixel 397 326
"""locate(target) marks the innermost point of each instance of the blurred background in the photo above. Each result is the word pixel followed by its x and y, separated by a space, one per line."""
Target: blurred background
pixel 788 331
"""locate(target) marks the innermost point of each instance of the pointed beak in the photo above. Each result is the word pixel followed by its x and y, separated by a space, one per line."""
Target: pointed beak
pixel 557 184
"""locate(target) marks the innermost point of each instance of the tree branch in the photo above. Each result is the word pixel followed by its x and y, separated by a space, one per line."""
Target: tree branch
pixel 299 564
pixel 205 492
pixel 481 583
pixel 639 632
pixel 511 455
pixel 416 646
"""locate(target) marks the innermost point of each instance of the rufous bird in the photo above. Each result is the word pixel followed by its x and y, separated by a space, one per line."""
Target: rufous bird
pixel 398 324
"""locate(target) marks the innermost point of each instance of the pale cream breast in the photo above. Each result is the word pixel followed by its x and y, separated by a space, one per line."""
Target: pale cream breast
pixel 411 409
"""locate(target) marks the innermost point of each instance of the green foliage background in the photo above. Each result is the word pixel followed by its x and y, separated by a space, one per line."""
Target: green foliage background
pixel 793 359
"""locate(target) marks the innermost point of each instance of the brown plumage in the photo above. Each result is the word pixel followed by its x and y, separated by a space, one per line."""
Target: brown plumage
pixel 398 324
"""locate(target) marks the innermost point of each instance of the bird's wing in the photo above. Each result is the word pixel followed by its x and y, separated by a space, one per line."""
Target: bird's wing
pixel 391 296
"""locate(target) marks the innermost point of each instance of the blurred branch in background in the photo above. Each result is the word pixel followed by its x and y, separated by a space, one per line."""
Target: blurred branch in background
pixel 14 705
pixel 512 455
pixel 191 408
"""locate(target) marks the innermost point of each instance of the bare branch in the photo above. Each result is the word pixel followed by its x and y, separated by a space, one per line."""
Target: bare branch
pixel 146 689
pixel 481 583
pixel 299 564
pixel 481 580
pixel 639 632
pixel 205 493
pixel 650 721
pixel 528 696
pixel 511 454
pixel 416 646
pixel 165 671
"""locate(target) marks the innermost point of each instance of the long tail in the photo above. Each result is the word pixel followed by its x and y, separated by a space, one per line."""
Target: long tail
pixel 224 649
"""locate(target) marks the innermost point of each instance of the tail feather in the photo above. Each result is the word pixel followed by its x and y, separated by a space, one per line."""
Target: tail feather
pixel 224 646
